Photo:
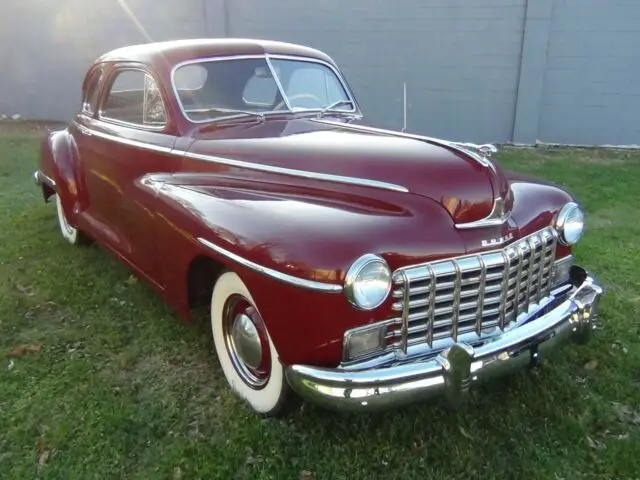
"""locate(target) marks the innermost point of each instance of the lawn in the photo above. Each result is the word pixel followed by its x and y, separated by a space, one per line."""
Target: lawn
pixel 112 384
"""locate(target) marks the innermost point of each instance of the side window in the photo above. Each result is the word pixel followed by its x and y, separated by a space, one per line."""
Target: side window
pixel 134 98
pixel 90 98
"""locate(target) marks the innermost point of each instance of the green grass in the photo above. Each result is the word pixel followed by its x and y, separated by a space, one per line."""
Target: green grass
pixel 122 388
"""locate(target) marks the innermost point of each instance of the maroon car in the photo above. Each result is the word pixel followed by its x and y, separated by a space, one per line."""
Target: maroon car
pixel 357 267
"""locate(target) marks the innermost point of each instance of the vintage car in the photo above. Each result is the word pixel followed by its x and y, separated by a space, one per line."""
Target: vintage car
pixel 352 266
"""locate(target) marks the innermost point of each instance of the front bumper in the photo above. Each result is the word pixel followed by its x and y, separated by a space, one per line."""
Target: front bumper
pixel 459 366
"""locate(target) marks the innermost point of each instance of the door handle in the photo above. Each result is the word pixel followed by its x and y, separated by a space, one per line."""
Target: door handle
pixel 86 131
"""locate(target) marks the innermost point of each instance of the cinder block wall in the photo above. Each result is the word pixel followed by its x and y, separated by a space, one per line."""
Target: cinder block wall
pixel 592 82
pixel 561 71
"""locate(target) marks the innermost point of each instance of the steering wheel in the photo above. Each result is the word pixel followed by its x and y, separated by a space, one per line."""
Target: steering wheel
pixel 300 95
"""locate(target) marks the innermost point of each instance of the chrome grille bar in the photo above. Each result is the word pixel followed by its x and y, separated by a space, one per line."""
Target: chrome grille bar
pixel 516 295
pixel 473 293
pixel 457 286
pixel 432 305
pixel 405 313
pixel 541 269
pixel 481 290
pixel 504 292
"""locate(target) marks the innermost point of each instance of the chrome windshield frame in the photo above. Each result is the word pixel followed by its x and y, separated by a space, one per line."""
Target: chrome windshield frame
pixel 267 57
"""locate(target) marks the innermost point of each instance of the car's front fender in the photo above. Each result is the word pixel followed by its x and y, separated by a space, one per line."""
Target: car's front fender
pixel 309 236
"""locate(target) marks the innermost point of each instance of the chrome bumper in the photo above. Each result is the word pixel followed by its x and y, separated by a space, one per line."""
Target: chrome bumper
pixel 456 368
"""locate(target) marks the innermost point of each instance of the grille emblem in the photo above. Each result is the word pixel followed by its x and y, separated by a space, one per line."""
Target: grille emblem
pixel 492 242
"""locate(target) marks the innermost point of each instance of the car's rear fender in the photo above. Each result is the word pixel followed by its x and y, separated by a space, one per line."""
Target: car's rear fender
pixel 59 163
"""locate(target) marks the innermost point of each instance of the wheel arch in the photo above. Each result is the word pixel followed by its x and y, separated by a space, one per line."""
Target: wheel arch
pixel 202 274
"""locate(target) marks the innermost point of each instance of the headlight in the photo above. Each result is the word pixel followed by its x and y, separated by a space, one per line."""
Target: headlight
pixel 570 223
pixel 368 282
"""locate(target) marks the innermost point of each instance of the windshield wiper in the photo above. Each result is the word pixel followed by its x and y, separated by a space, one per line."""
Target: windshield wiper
pixel 259 115
pixel 335 104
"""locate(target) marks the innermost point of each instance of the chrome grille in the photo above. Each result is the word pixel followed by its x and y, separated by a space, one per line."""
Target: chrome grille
pixel 473 293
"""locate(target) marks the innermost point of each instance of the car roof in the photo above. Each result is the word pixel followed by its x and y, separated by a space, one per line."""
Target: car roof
pixel 177 51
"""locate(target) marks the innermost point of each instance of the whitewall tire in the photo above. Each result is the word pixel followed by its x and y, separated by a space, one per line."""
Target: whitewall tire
pixel 69 232
pixel 248 358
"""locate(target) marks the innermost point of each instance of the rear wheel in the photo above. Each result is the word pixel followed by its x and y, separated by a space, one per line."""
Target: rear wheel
pixel 69 233
pixel 247 355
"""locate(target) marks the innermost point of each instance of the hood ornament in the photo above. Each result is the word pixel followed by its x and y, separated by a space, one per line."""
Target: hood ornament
pixel 485 150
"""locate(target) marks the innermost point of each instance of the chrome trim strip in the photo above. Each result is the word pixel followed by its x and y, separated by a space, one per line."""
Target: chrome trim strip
pixel 283 277
pixel 266 56
pixel 363 182
pixel 127 141
pixel 299 173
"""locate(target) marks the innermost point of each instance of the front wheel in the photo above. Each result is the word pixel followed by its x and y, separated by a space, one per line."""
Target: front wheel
pixel 248 358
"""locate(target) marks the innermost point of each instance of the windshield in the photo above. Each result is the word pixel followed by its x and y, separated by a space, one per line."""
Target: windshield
pixel 214 89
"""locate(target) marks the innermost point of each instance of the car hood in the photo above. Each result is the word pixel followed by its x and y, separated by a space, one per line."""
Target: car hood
pixel 462 185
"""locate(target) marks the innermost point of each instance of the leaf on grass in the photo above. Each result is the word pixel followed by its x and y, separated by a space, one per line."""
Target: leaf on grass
pixel 306 475
pixel 177 473
pixel 20 350
pixel 132 280
pixel 465 433
pixel 618 345
pixel 626 414
pixel 418 446
pixel 28 291
pixel 595 444
pixel 251 460
pixel 44 456
pixel 591 365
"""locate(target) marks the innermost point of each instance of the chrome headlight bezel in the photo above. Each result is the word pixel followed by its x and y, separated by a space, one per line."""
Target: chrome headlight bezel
pixel 357 268
pixel 563 217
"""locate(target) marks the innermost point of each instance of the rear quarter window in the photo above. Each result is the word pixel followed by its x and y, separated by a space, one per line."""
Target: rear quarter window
pixel 91 91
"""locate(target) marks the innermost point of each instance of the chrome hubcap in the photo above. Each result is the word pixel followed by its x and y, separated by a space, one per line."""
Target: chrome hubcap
pixel 246 343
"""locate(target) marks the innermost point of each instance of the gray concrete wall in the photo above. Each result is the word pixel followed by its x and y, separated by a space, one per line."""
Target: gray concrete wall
pixel 478 70
pixel 46 46
pixel 459 58
pixel 592 88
